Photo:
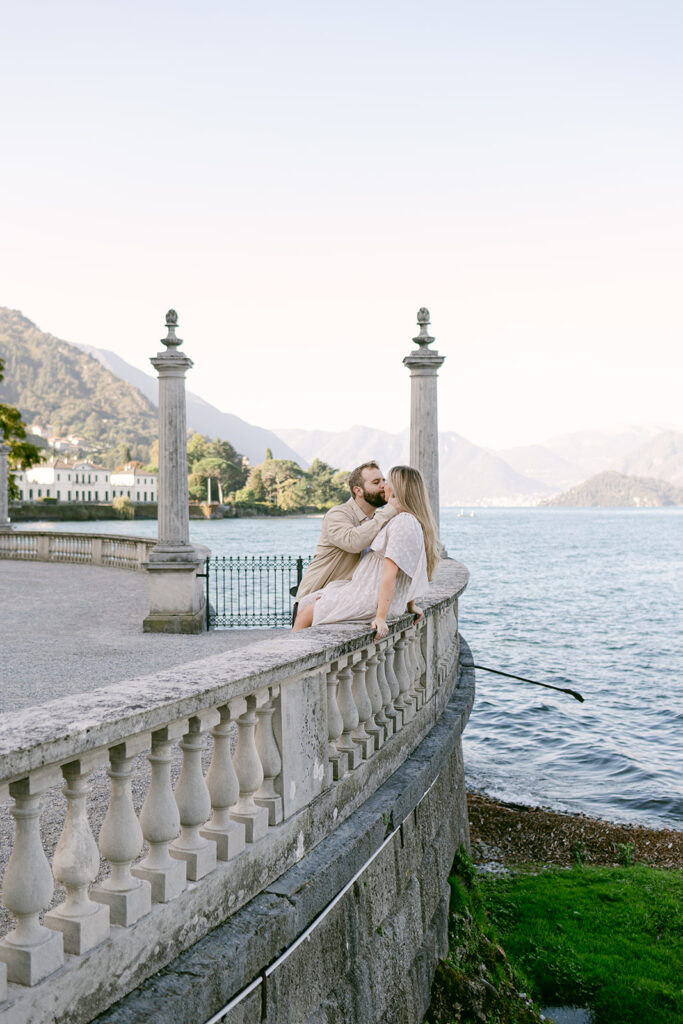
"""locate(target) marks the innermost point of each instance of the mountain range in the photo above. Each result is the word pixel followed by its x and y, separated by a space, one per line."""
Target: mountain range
pixel 82 390
pixel 93 392
pixel 470 474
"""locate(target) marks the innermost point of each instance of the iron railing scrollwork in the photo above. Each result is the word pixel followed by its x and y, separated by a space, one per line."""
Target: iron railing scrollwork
pixel 252 590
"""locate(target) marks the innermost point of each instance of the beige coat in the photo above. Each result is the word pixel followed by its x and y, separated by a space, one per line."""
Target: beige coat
pixel 345 533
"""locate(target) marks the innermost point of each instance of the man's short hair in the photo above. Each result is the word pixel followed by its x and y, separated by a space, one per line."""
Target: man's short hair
pixel 356 476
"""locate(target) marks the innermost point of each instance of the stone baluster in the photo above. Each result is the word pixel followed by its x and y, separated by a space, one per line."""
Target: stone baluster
pixel 228 835
pixel 363 706
pixel 160 820
pixel 338 761
pixel 349 713
pixel 392 680
pixel 416 694
pixel 30 951
pixel 421 673
pixel 375 724
pixel 391 665
pixel 250 775
pixel 403 676
pixel 269 753
pixel 441 645
pixel 127 897
pixel 388 711
pixel 82 922
pixel 194 801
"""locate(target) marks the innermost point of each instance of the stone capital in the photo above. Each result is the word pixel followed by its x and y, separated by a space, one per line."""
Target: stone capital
pixel 424 362
pixel 171 364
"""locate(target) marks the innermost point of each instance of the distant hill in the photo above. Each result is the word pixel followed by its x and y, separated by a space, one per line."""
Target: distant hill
pixel 616 490
pixel 53 382
pixel 662 456
pixel 468 474
pixel 202 417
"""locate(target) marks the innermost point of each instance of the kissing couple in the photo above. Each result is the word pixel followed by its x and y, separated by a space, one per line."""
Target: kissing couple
pixel 376 553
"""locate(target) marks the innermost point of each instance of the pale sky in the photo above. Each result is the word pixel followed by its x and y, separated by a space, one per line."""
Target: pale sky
pixel 296 179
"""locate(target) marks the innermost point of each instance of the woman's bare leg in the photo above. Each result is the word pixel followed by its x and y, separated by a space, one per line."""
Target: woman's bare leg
pixel 304 618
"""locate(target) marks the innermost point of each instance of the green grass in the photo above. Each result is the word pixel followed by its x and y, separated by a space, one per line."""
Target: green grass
pixel 611 938
pixel 476 982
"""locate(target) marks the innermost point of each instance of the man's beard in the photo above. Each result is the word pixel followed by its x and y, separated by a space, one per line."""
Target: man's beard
pixel 377 500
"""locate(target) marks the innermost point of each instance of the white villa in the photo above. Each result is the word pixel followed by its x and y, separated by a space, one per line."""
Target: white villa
pixel 131 481
pixel 85 482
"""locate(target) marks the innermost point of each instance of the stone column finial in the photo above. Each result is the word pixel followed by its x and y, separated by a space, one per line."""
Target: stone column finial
pixel 424 429
pixel 4 487
pixel 177 604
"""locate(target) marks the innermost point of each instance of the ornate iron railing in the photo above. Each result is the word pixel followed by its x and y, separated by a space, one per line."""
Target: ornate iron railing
pixel 252 590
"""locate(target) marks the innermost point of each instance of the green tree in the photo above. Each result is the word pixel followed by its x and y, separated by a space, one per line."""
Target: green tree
pixel 326 485
pixel 216 460
pixel 22 453
pixel 279 479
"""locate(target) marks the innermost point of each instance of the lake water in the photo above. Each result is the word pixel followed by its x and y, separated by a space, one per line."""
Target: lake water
pixel 591 599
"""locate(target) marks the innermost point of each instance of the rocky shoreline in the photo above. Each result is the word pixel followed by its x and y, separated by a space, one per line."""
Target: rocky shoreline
pixel 506 835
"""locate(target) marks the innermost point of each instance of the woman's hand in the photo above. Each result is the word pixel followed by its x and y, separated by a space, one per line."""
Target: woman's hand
pixel 381 629
pixel 415 610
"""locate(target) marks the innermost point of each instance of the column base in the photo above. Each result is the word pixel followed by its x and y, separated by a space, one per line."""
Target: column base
pixel 80 933
pixel 166 883
pixel 338 766
pixel 353 753
pixel 366 742
pixel 377 733
pixel 255 823
pixel 198 862
pixel 28 966
pixel 175 622
pixel 230 841
pixel 273 804
pixel 393 722
pixel 125 908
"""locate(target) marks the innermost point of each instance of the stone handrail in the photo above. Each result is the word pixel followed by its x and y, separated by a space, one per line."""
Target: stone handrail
pixel 87 548
pixel 322 720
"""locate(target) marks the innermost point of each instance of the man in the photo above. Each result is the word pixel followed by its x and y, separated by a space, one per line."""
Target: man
pixel 347 530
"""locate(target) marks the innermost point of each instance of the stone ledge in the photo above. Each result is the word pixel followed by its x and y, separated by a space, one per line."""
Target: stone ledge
pixel 63 729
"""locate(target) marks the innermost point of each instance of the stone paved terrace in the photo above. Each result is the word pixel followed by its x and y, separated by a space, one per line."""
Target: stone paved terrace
pixel 68 629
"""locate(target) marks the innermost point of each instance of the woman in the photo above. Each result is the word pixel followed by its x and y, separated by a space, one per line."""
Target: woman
pixel 392 572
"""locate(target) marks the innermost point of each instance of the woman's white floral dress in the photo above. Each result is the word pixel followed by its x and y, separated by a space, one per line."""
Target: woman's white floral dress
pixel 402 541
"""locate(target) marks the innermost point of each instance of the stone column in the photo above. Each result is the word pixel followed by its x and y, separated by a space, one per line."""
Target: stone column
pixel 176 596
pixel 424 432
pixel 4 488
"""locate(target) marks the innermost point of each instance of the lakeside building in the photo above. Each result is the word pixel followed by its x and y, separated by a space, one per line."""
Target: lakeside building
pixel 86 482
pixel 134 482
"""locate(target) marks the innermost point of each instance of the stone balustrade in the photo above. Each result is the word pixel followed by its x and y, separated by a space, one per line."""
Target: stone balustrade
pixel 301 730
pixel 89 549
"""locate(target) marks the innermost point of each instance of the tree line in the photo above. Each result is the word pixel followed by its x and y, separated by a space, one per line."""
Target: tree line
pixel 216 471
pixel 272 485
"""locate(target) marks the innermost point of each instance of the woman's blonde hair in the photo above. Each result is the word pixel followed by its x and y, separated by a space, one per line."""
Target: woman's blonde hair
pixel 411 493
